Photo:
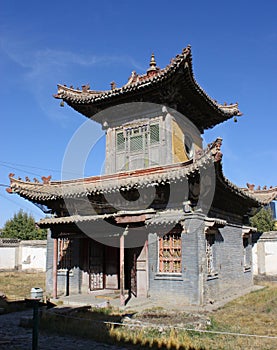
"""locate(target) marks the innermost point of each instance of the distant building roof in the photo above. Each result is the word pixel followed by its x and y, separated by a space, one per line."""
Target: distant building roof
pixel 263 194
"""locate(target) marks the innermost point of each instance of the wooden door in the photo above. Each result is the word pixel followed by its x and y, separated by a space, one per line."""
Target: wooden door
pixel 111 267
pixel 131 256
pixel 134 274
pixel 96 262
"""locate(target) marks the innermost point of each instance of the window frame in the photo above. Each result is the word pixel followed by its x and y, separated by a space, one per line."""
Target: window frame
pixel 172 248
pixel 149 135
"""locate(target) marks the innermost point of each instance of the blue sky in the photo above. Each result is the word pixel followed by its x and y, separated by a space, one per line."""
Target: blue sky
pixel 234 48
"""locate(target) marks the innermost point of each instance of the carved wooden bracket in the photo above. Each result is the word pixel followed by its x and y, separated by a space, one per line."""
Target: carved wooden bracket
pixel 213 223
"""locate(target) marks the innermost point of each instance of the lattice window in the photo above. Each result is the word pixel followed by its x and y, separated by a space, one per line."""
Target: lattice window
pixel 170 252
pixel 136 139
pixel 210 254
pixel 65 253
pixel 136 143
pixel 154 133
pixel 120 141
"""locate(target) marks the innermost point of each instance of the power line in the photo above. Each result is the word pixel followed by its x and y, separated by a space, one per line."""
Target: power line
pixel 151 325
pixel 27 166
pixel 23 170
pixel 20 205
pixel 13 165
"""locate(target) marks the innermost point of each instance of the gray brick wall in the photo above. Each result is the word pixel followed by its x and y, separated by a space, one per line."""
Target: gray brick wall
pixel 193 286
pixel 187 286
pixel 193 251
pixel 231 277
pixel 67 282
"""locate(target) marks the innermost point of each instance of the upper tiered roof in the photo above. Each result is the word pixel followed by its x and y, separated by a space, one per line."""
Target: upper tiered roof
pixel 173 86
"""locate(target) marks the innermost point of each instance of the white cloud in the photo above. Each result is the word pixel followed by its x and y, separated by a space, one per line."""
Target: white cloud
pixel 42 69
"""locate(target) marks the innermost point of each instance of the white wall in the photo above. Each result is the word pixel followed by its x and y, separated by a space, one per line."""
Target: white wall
pixel 265 255
pixel 33 255
pixel 7 258
pixel 22 255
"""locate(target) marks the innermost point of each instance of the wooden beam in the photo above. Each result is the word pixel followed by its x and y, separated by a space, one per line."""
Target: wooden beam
pixel 55 268
pixel 127 219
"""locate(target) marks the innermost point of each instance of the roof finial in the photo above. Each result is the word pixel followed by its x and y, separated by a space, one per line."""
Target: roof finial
pixel 153 63
pixel 153 66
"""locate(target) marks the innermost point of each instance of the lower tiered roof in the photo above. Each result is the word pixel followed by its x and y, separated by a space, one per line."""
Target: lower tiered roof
pixel 49 192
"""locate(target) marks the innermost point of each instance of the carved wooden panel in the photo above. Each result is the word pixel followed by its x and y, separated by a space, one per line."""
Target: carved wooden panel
pixel 170 252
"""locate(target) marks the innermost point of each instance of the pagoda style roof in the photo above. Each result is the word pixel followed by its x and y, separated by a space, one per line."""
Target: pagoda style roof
pixel 173 86
pixel 263 194
pixel 50 191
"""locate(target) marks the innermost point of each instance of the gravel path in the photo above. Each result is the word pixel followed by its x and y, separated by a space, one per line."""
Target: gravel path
pixel 15 337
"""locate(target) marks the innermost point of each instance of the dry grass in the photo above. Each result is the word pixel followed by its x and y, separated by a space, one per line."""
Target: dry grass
pixel 255 313
pixel 17 285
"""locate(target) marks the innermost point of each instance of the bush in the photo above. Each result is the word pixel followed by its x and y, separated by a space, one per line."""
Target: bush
pixel 23 226
pixel 263 220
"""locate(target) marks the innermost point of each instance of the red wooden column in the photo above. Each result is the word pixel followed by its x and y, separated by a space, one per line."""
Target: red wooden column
pixel 121 264
pixel 55 268
pixel 121 267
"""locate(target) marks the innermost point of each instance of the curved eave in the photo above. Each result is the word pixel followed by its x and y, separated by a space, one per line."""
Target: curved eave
pixel 90 102
pixel 97 185
pixel 36 193
pixel 73 219
pixel 226 183
pixel 76 97
pixel 81 188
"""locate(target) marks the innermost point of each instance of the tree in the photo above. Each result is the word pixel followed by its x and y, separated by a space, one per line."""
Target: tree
pixel 263 220
pixel 23 226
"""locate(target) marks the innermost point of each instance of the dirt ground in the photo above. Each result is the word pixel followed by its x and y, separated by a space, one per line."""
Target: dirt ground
pixel 161 317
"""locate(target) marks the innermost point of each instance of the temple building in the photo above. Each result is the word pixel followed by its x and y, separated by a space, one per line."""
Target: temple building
pixel 162 221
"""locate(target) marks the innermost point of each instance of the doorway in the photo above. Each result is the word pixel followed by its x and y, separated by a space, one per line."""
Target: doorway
pixel 103 266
